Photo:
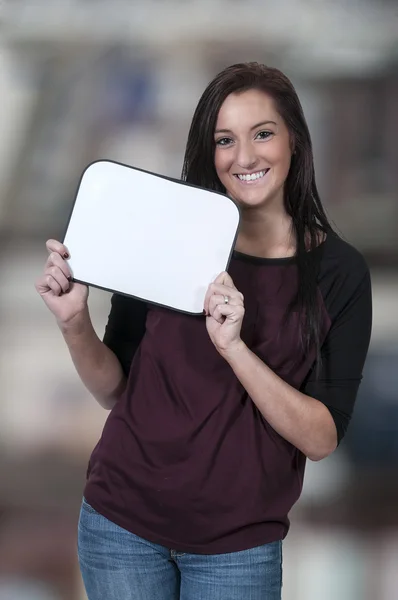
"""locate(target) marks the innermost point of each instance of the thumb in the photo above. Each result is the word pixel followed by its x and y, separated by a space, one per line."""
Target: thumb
pixel 225 279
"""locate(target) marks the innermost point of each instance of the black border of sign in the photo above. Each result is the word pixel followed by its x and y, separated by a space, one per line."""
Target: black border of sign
pixel 162 177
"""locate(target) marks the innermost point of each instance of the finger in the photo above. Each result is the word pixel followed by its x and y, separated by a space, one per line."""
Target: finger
pixel 227 311
pixel 55 246
pixel 47 283
pixel 225 279
pixel 55 260
pixel 216 312
pixel 58 276
pixel 222 290
pixel 216 299
pixel 225 290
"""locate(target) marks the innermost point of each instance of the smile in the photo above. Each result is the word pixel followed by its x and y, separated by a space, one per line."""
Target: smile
pixel 251 177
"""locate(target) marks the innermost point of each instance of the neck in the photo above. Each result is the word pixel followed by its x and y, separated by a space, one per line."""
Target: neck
pixel 267 234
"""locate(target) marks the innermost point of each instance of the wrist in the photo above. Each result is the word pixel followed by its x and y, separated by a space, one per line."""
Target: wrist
pixel 76 325
pixel 234 351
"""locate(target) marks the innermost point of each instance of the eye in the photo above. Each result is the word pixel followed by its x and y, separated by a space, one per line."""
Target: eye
pixel 264 135
pixel 225 141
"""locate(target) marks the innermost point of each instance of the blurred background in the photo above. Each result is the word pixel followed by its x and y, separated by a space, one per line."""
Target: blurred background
pixel 88 79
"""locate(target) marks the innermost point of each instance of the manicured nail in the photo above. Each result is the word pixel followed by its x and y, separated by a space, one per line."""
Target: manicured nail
pixel 66 255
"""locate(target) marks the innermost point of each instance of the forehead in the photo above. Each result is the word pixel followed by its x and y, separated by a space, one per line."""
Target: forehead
pixel 242 110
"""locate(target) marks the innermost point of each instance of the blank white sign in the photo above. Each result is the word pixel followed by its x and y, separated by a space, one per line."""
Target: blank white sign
pixel 148 236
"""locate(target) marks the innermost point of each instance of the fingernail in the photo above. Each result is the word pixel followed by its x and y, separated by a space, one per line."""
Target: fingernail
pixel 204 312
pixel 66 255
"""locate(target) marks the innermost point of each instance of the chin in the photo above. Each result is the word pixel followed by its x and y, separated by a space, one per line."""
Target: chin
pixel 251 200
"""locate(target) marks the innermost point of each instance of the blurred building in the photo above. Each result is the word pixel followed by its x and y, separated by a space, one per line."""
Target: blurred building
pixel 82 80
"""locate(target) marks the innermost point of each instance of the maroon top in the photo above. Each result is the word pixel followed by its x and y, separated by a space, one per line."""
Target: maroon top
pixel 186 459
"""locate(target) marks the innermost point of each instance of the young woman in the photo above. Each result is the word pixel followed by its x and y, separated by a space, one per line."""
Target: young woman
pixel 212 418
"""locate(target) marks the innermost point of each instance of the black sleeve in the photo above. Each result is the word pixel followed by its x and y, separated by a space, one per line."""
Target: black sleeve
pixel 343 355
pixel 125 328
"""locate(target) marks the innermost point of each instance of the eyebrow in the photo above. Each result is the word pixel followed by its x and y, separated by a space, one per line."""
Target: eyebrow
pixel 251 129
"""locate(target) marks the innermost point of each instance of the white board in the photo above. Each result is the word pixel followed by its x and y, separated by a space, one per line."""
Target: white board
pixel 148 236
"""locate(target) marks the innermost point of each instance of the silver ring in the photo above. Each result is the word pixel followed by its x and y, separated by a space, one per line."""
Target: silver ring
pixel 226 300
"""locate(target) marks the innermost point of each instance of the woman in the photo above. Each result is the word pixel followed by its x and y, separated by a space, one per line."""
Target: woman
pixel 202 456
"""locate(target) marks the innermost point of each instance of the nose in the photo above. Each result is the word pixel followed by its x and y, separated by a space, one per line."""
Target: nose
pixel 246 156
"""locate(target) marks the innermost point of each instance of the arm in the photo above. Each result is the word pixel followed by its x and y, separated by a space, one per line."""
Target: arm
pixel 103 366
pixel 316 418
pixel 97 366
pixel 301 420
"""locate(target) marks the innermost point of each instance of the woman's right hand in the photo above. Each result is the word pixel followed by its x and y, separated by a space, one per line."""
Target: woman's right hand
pixel 66 299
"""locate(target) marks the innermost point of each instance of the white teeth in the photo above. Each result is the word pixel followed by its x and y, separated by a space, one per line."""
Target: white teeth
pixel 252 177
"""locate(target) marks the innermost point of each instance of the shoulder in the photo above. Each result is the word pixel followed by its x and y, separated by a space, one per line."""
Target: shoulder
pixel 343 273
pixel 342 258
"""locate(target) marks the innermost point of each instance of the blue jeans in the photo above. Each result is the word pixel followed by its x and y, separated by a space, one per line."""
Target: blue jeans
pixel 118 565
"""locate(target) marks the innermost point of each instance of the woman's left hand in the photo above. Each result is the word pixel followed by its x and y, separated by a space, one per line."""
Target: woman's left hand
pixel 224 308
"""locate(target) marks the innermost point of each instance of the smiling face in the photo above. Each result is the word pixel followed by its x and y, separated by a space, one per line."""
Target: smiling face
pixel 253 149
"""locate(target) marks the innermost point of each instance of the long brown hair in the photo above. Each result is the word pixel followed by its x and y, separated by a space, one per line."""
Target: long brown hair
pixel 301 197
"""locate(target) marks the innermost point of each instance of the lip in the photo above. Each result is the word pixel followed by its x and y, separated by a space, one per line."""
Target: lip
pixel 252 181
